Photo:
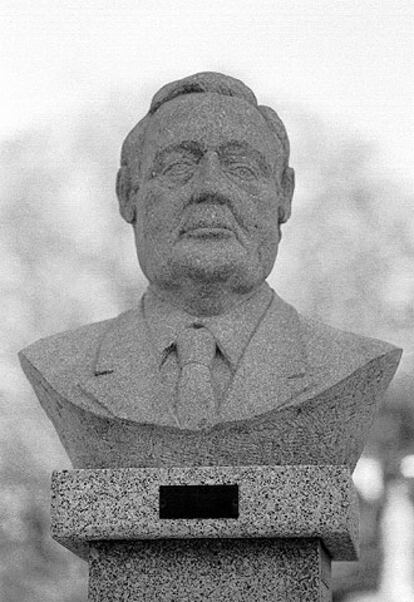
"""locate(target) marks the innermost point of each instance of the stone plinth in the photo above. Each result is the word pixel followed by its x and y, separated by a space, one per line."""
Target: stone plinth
pixel 278 570
pixel 289 523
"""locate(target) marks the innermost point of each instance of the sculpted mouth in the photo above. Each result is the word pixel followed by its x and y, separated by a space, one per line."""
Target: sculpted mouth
pixel 208 232
pixel 207 229
pixel 203 223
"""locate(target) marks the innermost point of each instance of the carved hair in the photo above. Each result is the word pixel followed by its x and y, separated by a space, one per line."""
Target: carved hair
pixel 199 83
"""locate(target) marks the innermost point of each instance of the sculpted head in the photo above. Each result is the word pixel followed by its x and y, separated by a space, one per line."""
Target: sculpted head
pixel 205 183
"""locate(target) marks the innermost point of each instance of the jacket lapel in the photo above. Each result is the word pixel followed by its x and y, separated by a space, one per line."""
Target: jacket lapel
pixel 126 379
pixel 273 370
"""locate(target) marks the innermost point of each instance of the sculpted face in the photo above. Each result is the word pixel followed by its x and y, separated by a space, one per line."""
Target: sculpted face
pixel 210 195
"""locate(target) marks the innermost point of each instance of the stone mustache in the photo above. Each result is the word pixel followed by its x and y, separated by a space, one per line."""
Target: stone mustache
pixel 212 367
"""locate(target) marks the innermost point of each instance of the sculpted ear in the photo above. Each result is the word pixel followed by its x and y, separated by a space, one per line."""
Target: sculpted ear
pixel 288 186
pixel 123 190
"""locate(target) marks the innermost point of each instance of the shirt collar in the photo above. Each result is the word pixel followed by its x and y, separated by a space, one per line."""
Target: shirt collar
pixel 232 330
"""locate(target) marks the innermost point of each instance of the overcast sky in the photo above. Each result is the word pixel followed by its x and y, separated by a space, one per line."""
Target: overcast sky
pixel 349 61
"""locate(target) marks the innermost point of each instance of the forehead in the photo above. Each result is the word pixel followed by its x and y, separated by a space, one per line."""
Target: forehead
pixel 211 120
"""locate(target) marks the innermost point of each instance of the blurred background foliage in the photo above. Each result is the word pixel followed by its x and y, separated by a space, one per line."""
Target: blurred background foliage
pixel 67 258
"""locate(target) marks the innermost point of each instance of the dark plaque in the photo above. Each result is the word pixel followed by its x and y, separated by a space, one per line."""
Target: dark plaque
pixel 199 501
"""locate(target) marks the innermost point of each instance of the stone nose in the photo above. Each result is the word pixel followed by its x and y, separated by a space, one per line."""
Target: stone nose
pixel 209 179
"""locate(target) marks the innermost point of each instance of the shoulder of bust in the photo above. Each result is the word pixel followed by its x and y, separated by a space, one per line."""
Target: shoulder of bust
pixel 67 351
pixel 333 350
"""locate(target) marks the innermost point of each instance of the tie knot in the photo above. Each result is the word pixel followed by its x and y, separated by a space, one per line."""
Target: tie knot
pixel 196 344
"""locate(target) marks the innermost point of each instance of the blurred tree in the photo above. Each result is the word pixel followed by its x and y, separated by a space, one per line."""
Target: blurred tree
pixel 32 566
pixel 68 259
pixel 352 234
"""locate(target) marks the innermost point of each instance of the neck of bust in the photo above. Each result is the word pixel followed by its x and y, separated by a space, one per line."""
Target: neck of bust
pixel 203 299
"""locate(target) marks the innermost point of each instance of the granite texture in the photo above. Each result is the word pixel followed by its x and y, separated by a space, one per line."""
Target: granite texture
pixel 275 502
pixel 271 415
pixel 205 183
pixel 296 570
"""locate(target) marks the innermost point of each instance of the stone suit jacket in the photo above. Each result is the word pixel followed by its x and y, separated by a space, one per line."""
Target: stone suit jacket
pixel 303 392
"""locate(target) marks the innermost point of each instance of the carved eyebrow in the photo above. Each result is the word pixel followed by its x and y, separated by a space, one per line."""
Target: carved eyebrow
pixel 188 147
pixel 244 148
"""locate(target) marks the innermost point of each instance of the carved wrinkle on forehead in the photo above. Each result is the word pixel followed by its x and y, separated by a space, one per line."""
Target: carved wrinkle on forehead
pixel 135 154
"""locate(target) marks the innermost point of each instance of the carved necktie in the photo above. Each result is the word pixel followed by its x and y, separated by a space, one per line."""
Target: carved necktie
pixel 196 402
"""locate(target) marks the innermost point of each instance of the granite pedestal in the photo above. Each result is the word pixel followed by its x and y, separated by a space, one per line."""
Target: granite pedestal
pixel 265 533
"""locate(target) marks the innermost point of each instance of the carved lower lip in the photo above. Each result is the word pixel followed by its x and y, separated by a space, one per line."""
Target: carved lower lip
pixel 208 232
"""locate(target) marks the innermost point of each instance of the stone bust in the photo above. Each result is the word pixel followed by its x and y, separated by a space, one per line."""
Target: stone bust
pixel 213 367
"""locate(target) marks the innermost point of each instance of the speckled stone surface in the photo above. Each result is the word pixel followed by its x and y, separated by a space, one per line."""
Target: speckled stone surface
pixel 205 183
pixel 273 570
pixel 282 502
pixel 327 424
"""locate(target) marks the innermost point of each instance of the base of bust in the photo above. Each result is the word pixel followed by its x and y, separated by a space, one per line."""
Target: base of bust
pixel 210 569
pixel 201 533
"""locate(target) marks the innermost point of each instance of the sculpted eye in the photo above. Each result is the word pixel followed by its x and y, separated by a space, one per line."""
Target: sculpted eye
pixel 180 170
pixel 242 171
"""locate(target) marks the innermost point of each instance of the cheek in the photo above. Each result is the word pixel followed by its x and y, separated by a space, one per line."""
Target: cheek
pixel 157 211
pixel 264 216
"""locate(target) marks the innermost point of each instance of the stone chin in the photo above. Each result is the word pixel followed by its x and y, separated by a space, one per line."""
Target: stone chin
pixel 218 262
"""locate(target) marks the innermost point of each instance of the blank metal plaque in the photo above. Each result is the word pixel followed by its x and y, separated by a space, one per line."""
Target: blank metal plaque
pixel 199 501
